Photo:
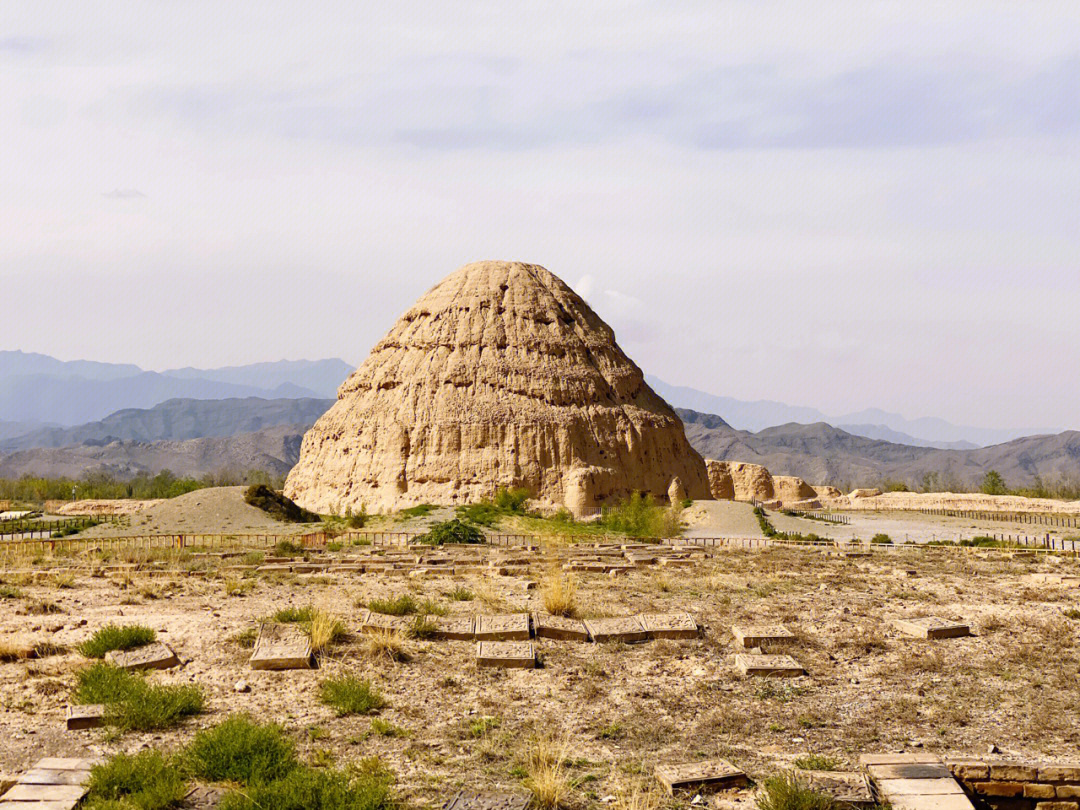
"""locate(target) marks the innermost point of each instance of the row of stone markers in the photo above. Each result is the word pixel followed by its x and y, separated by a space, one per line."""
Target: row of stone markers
pixel 53 783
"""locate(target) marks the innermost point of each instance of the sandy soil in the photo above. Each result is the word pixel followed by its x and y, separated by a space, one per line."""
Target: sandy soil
pixel 219 510
pixel 721 519
pixel 621 707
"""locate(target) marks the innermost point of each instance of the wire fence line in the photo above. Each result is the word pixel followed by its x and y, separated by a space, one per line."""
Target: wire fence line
pixel 13 550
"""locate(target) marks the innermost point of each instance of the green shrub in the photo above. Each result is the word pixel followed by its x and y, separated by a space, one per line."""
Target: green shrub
pixel 131 702
pixel 287 548
pixel 881 540
pixel 144 781
pixel 349 695
pixel 479 514
pixel 115 637
pixel 240 750
pixel 356 520
pixel 511 501
pixel 310 789
pixel 451 531
pixel 277 505
pixel 787 792
pixel 817 762
pixel 993 484
pixel 294 615
pixel 398 606
pixel 420 510
pixel 640 516
pixel 10 592
pixel 460 594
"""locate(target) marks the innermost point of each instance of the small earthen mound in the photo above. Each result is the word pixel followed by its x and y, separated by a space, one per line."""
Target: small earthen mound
pixel 789 488
pixel 752 482
pixel 721 484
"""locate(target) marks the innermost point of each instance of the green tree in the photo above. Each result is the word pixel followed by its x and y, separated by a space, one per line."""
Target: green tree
pixel 993 483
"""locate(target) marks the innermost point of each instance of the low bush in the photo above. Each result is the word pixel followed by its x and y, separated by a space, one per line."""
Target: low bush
pixel 240 750
pixel 143 781
pixel 420 510
pixel 116 637
pixel 881 540
pixel 788 792
pixel 277 505
pixel 351 695
pixel 397 606
pixel 451 531
pixel 287 548
pixel 817 762
pixel 306 788
pixel 131 702
pixel 640 516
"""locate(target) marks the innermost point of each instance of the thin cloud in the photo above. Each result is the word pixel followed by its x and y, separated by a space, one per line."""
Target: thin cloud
pixel 124 194
pixel 23 45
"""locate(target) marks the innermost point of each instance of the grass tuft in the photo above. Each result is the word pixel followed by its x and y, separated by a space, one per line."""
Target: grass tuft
pixel 115 637
pixel 817 762
pixel 397 606
pixel 350 695
pixel 559 594
pixel 143 781
pixel 547 778
pixel 240 750
pixel 788 792
pixel 131 702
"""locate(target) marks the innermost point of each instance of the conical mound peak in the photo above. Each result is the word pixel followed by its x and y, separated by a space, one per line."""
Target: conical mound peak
pixel 500 375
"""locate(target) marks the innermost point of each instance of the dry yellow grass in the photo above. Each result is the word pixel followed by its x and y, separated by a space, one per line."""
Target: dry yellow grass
pixel 637 794
pixel 560 594
pixel 387 645
pixel 325 630
pixel 548 778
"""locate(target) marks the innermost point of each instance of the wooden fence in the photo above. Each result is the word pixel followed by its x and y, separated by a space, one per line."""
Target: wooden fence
pixel 29 528
pixel 13 550
pixel 1059 519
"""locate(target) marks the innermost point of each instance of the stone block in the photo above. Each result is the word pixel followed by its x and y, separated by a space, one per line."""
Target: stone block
pixel 775 666
pixel 1013 772
pixel 760 634
pixel 969 769
pixel 944 801
pixel 669 625
pixel 454 628
pixel 1057 806
pixel 507 627
pixel 1059 772
pixel 867 760
pixel 506 654
pixel 932 627
pixel 912 770
pixel 24 793
pixel 487 800
pixel 917 787
pixel 996 788
pixel 559 627
pixel 152 656
pixel 1035 790
pixel 381 623
pixel 281 646
pixel 849 788
pixel 1067 791
pixel 621 628
pixel 717 774
pixel 82 717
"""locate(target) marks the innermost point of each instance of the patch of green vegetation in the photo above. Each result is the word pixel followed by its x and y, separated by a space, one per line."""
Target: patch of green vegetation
pixel 397 606
pixel 460 594
pixel 10 592
pixel 480 726
pixel 131 702
pixel 117 637
pixel 305 788
pixel 277 505
pixel 287 548
pixel 770 531
pixel 881 540
pixel 245 638
pixel 451 531
pixel 640 516
pixel 143 781
pixel 351 695
pixel 240 750
pixel 294 615
pixel 817 762
pixel 386 729
pixel 418 511
pixel 788 792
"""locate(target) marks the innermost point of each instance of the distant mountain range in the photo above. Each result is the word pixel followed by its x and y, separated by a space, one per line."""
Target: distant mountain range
pixel 872 423
pixel 823 454
pixel 195 437
pixel 36 388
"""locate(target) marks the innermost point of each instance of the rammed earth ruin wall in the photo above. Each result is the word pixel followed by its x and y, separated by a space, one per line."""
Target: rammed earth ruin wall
pixel 1011 784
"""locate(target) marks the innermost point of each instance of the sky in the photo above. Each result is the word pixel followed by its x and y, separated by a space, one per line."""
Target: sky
pixel 841 205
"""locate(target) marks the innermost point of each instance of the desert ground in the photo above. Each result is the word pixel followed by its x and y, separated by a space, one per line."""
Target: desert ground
pixel 618 708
